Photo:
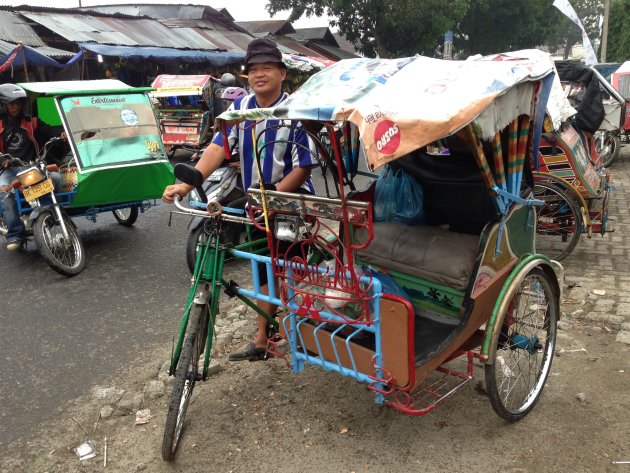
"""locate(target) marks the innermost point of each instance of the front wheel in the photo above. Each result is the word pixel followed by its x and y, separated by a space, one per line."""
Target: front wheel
pixel 559 221
pixel 126 216
pixel 186 375
pixel 65 255
pixel 525 346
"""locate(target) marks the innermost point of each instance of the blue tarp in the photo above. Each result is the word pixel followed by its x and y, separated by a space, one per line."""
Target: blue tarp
pixel 32 57
pixel 165 55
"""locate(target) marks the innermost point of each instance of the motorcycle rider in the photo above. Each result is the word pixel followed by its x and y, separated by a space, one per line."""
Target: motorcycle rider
pixel 290 165
pixel 21 136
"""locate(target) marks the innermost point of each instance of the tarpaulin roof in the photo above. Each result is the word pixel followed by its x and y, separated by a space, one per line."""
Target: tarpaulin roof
pixel 400 105
pixel 7 47
pixel 31 57
pixel 165 55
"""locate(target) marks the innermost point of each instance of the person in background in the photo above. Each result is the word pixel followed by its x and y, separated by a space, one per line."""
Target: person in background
pixel 21 137
pixel 291 166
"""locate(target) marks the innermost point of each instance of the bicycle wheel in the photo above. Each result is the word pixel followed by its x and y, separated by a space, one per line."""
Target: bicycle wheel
pixel 525 347
pixel 126 216
pixel 64 255
pixel 559 221
pixel 186 375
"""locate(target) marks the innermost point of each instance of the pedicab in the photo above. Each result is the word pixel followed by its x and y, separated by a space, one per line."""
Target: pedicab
pixel 569 172
pixel 184 107
pixel 405 309
pixel 116 163
pixel 621 82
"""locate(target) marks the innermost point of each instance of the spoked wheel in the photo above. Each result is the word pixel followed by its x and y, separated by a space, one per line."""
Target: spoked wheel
pixel 608 149
pixel 64 255
pixel 186 375
pixel 559 221
pixel 126 216
pixel 525 347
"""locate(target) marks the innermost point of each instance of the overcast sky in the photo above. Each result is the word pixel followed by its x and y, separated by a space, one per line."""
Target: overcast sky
pixel 241 10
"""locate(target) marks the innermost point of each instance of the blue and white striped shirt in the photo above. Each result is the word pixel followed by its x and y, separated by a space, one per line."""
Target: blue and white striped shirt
pixel 278 159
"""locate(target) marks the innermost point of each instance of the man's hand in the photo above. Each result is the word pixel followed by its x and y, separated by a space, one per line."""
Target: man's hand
pixel 176 189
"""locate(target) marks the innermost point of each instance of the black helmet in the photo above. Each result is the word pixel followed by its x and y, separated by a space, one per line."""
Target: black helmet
pixel 11 92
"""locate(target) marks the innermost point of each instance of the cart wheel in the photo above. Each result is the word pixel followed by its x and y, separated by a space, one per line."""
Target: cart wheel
pixel 126 216
pixel 525 347
pixel 64 255
pixel 186 375
pixel 559 221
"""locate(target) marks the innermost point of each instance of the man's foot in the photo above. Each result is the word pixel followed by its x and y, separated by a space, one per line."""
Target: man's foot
pixel 250 352
pixel 14 245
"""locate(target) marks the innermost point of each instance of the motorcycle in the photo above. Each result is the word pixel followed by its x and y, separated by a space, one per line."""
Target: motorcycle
pixel 225 187
pixel 55 234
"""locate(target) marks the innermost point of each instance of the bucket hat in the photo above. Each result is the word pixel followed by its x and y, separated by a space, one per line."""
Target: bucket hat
pixel 262 50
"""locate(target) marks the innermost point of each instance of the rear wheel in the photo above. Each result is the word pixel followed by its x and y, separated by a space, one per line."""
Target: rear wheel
pixel 525 347
pixel 63 254
pixel 559 221
pixel 608 149
pixel 186 375
pixel 126 216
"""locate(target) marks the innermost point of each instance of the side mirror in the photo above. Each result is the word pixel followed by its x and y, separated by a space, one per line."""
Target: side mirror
pixel 191 176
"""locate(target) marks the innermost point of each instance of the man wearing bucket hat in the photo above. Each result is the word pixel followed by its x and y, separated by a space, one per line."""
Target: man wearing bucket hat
pixel 291 163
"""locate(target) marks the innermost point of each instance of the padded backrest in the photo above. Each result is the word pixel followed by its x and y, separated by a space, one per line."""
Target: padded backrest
pixel 454 191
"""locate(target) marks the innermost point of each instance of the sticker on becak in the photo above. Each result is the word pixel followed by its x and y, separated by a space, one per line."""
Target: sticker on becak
pixel 387 137
pixel 129 117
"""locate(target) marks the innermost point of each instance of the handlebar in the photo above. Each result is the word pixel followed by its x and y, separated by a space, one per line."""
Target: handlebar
pixel 217 212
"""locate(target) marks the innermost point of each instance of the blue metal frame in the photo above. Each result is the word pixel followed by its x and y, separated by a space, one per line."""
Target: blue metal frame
pixel 292 326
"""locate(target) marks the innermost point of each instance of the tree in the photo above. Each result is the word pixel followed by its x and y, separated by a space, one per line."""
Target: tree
pixel 505 25
pixel 619 31
pixel 389 29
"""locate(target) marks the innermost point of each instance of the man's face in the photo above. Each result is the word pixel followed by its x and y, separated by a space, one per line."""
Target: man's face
pixel 266 77
pixel 14 109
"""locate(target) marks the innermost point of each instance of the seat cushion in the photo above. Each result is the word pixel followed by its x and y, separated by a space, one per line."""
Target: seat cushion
pixel 423 251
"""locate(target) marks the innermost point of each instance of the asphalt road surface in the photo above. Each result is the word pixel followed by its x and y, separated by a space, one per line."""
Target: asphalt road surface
pixel 61 335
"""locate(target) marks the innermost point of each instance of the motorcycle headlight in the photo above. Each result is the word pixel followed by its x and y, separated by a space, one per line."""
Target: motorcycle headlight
pixel 30 176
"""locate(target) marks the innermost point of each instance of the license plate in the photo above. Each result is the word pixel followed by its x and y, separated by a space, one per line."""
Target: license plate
pixel 38 190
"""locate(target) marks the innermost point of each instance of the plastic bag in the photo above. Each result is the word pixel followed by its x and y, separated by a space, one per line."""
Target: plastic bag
pixel 384 195
pixel 389 284
pixel 407 207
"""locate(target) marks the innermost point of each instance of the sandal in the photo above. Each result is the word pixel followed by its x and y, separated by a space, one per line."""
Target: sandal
pixel 250 352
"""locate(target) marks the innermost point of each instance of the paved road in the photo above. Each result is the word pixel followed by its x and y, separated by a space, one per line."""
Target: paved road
pixel 59 336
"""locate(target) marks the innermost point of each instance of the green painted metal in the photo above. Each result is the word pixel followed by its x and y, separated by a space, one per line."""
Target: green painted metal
pixel 521 228
pixel 491 324
pixel 124 184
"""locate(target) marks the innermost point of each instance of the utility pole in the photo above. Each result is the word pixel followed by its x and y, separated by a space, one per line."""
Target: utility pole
pixel 605 30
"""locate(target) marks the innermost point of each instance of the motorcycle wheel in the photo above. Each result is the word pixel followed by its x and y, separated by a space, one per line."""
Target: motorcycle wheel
pixel 127 216
pixel 612 144
pixel 230 234
pixel 66 256
pixel 198 235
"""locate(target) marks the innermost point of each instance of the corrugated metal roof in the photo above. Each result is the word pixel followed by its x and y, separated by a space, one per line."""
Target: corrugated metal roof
pixel 295 47
pixel 7 47
pixel 275 27
pixel 345 44
pixel 14 29
pixel 233 41
pixel 311 33
pixel 332 51
pixel 118 31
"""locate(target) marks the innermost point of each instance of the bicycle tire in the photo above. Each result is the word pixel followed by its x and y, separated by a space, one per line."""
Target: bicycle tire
pixel 186 375
pixel 558 226
pixel 522 360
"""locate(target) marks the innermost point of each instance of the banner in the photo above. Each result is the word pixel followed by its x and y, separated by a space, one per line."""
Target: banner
pixel 567 9
pixel 9 59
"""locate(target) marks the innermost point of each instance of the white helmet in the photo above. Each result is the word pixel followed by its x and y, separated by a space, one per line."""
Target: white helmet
pixel 228 79
pixel 11 92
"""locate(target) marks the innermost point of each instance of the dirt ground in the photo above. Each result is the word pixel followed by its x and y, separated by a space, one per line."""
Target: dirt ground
pixel 254 417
